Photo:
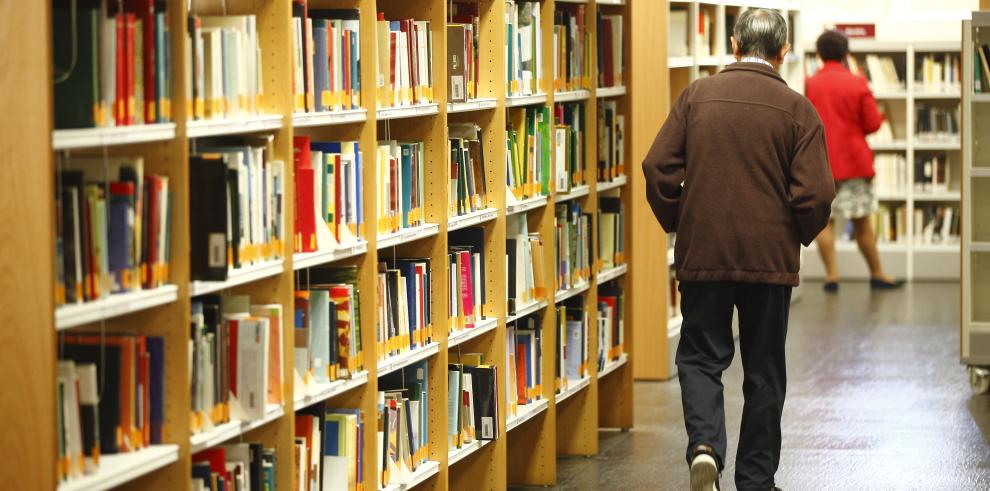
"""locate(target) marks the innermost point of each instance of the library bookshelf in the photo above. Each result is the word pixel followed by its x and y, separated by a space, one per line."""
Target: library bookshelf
pixel 697 46
pixel 975 270
pixel 908 257
pixel 528 445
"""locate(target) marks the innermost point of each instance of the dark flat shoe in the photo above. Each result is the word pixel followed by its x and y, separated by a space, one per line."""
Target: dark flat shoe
pixel 831 286
pixel 878 284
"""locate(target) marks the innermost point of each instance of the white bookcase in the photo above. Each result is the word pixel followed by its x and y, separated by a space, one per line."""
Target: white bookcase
pixel 975 315
pixel 908 258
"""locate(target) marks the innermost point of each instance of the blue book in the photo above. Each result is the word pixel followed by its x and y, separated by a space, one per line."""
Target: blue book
pixel 121 231
pixel 321 73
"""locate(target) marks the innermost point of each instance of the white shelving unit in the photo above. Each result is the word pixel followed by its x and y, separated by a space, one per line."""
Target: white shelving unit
pixel 525 100
pixel 407 358
pixel 321 392
pixel 233 126
pixel 525 413
pixel 908 258
pixel 413 111
pixel 105 137
pixel 614 183
pixel 613 365
pixel 616 91
pixel 527 310
pixel 574 193
pixel 328 118
pixel 573 389
pixel 239 276
pixel 456 455
pixel 463 335
pixel 610 274
pixel 303 260
pixel 571 292
pixel 571 96
pixel 407 235
pixel 471 219
pixel 233 429
pixel 482 104
pixel 975 314
pixel 69 316
pixel 525 205
pixel 117 469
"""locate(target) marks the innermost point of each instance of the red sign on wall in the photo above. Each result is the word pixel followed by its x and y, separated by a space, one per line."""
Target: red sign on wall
pixel 857 30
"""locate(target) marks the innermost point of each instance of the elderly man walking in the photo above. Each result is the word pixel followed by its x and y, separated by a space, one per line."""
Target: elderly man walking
pixel 740 172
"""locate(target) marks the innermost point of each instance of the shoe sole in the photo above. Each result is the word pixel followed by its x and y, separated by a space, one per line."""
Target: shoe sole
pixel 704 473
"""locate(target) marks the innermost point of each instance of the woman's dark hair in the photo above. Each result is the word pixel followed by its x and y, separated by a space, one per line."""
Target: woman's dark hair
pixel 832 46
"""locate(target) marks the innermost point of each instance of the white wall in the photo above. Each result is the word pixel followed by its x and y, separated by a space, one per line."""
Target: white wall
pixel 896 20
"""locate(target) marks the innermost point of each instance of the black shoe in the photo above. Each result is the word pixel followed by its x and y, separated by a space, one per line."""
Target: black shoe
pixel 831 286
pixel 878 284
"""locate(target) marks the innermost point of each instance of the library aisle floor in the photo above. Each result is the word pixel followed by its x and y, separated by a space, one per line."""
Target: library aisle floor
pixel 876 400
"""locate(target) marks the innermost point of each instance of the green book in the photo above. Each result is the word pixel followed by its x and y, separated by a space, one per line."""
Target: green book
pixel 76 77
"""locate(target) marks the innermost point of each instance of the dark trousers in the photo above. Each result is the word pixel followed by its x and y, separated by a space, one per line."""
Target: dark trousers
pixel 706 350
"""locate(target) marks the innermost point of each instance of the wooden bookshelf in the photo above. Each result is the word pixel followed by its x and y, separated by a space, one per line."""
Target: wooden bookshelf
pixel 654 351
pixel 526 454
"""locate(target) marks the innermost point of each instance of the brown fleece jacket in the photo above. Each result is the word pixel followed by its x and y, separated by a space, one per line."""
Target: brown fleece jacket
pixel 740 172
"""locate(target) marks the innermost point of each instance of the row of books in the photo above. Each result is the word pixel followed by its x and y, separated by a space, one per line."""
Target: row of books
pixel 238 192
pixel 524 362
pixel 112 63
pixel 611 231
pixel 400 175
pixel 245 466
pixel 981 68
pixel 572 247
pixel 329 444
pixel 526 280
pixel 463 65
pixel 466 260
pixel 111 397
pixel 936 224
pixel 571 48
pixel 891 174
pixel 932 173
pixel 405 306
pixel 326 68
pixel 528 155
pixel 884 74
pixel 405 62
pixel 329 205
pixel 327 309
pixel 572 344
pixel 235 360
pixel 611 141
pixel 937 122
pixel 889 222
pixel 611 323
pixel 524 47
pixel 225 79
pixel 568 141
pixel 112 228
pixel 403 423
pixel 610 51
pixel 468 177
pixel 472 400
pixel 938 72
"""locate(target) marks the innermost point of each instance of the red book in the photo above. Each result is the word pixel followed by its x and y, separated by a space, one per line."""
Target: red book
pixel 129 63
pixel 145 10
pixel 216 457
pixel 467 287
pixel 521 372
pixel 305 217
pixel 144 396
pixel 393 193
pixel 412 46
pixel 338 218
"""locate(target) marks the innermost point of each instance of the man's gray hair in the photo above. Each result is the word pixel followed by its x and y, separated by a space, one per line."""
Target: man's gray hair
pixel 761 32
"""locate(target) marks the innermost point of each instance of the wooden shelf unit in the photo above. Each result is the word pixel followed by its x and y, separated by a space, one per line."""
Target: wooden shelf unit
pixel 526 457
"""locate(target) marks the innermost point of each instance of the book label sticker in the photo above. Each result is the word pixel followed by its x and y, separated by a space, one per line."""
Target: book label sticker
pixel 218 250
pixel 487 427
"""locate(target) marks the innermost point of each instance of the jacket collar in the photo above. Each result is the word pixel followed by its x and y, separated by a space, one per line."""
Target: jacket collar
pixel 832 65
pixel 757 68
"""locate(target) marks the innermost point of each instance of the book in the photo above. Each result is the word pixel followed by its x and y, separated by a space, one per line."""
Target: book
pixel 403 422
pixel 524 48
pixel 572 245
pixel 235 367
pixel 465 13
pixel 611 319
pixel 326 64
pixel 404 305
pixel 572 344
pixel 528 152
pixel 252 215
pixel 611 231
pixel 400 187
pixel 113 228
pixel 569 144
pixel 610 50
pixel 571 53
pixel 468 176
pixel 328 325
pixel 405 62
pixel 611 141
pixel 225 57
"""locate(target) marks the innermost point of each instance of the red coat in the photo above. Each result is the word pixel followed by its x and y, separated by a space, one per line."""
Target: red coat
pixel 847 108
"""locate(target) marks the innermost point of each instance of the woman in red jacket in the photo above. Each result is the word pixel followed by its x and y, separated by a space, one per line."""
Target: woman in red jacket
pixel 849 112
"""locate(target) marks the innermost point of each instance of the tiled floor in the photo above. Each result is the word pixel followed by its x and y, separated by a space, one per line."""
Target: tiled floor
pixel 876 399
